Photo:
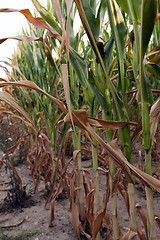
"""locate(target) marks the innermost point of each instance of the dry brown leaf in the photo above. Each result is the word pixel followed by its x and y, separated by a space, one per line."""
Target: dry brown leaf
pixel 28 124
pixel 155 60
pixel 80 114
pixel 33 86
pixel 22 38
pixel 61 184
pixel 16 68
pixel 157 218
pixel 153 51
pixel 13 225
pixel 106 124
pixel 10 165
pixel 58 191
pixel 154 118
pixel 59 15
pixel 115 181
pixel 69 7
pixel 97 224
pixel 6 97
pixel 64 145
pixel 89 178
pixel 75 220
pixel 107 191
pixel 89 207
pixel 74 211
pixel 116 154
pixel 124 194
pixel 157 91
pixel 98 123
pixel 141 233
pixel 130 236
pixel 84 233
pixel 67 90
pixel 37 22
pixel 143 218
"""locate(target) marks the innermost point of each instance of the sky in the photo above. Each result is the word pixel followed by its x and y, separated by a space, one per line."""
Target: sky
pixel 11 24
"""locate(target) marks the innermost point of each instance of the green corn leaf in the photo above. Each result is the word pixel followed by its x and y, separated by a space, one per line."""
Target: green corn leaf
pixel 93 22
pixel 89 97
pixel 136 8
pixel 124 5
pixel 101 12
pixel 148 16
pixel 93 5
pixel 154 69
pixel 43 106
pixel 72 38
pixel 149 12
pixel 97 93
pixel 146 91
pixel 108 52
pixel 146 127
pixel 79 66
pixel 118 28
pixel 47 16
pixel 121 112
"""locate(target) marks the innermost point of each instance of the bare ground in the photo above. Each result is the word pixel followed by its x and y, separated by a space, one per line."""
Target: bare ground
pixel 36 223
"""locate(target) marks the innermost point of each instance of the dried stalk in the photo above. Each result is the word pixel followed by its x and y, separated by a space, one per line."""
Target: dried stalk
pixel 150 214
pixel 132 210
pixel 115 223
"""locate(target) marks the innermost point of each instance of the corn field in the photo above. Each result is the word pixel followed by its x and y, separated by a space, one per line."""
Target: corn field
pixel 89 92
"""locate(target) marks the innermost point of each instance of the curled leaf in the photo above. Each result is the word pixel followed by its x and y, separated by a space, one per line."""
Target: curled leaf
pixel 37 22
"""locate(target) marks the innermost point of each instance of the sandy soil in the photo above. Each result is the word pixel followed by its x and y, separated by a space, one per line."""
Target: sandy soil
pixel 37 216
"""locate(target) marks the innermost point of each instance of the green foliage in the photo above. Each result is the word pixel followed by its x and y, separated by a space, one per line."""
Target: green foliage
pixel 25 235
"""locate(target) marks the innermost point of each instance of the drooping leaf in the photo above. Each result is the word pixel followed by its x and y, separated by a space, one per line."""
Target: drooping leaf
pixel 66 89
pixel 47 16
pixel 33 86
pixel 118 27
pixel 69 7
pixel 119 33
pixel 154 69
pixel 97 93
pixel 98 223
pixel 37 22
pixel 108 52
pixel 149 12
pixel 148 16
pixel 121 111
pixel 143 217
pixel 154 118
pixel 22 38
pixel 91 19
pixel 79 66
pixel 146 91
pixel 98 123
pixel 6 97
pixel 59 15
pixel 153 51
pixel 115 153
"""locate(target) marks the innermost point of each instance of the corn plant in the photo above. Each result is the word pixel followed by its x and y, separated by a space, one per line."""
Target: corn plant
pixel 107 77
